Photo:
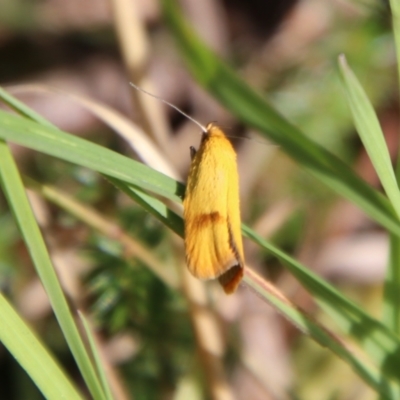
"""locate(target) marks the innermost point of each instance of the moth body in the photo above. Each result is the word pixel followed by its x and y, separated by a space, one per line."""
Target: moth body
pixel 213 239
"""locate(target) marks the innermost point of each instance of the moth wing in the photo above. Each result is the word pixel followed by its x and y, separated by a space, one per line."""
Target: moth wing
pixel 211 233
pixel 232 277
pixel 233 211
pixel 208 251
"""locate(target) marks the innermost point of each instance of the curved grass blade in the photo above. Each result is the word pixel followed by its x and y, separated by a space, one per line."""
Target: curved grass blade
pixel 372 137
pixel 15 193
pixel 381 344
pixel 136 138
pixel 33 357
pixel 70 148
pixel 370 132
pixel 306 324
pixel 375 379
pixel 96 357
pixel 22 109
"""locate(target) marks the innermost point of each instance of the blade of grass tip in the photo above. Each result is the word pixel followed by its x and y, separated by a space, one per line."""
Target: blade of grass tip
pixel 376 379
pixel 370 132
pixel 18 202
pixel 161 211
pixel 33 357
pixel 96 356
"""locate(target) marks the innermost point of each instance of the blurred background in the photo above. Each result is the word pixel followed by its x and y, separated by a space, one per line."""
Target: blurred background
pixel 78 52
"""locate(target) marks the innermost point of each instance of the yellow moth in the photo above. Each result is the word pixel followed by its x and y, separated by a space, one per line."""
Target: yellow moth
pixel 213 238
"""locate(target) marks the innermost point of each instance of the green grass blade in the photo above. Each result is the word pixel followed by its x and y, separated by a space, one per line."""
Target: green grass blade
pixel 15 193
pixel 22 109
pixel 96 357
pixel 306 324
pixel 154 206
pixel 70 148
pixel 33 356
pixel 370 132
pixel 252 109
pixel 381 344
pixel 375 379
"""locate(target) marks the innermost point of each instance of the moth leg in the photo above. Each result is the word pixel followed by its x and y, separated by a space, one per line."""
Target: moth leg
pixel 193 152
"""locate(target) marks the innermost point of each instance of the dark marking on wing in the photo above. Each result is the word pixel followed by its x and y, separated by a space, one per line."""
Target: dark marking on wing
pixel 204 220
pixel 231 278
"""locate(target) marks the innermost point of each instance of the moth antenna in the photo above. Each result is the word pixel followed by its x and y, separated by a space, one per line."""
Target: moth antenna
pixel 203 128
